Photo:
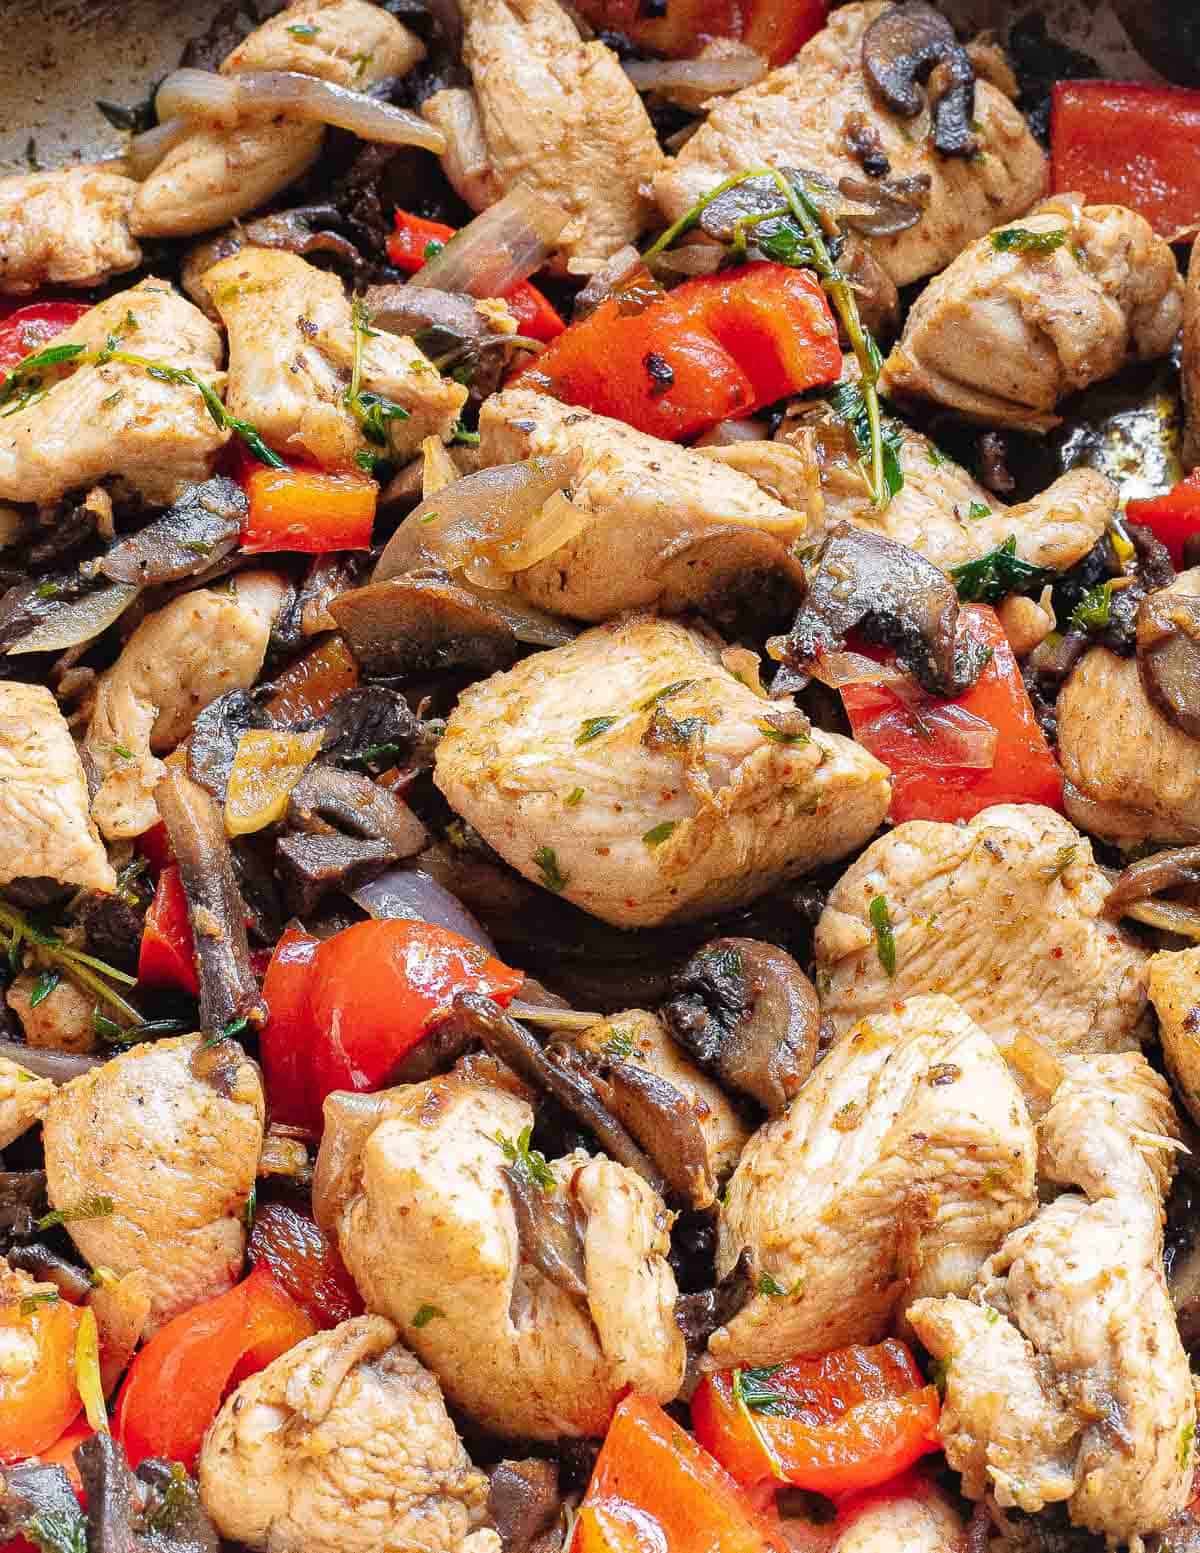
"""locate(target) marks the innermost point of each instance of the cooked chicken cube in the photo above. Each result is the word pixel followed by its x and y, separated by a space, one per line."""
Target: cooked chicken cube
pixel 69 227
pixel 674 528
pixel 219 173
pixel 909 1516
pixel 48 831
pixel 1014 325
pixel 180 658
pixel 23 1100
pixel 559 116
pixel 176 1154
pixel 342 1445
pixel 62 1019
pixel 908 1151
pixel 1174 984
pixel 633 773
pixel 1065 1375
pixel 1190 364
pixel 1003 915
pixel 83 420
pixel 799 117
pixel 292 346
pixel 1131 774
pixel 412 1185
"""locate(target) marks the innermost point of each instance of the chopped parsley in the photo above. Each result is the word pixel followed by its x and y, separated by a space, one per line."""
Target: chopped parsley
pixel 592 727
pixel 426 1314
pixel 58 1531
pixel 32 1302
pixel 993 576
pixel 552 875
pixel 657 834
pixel 885 939
pixel 1187 1436
pixel 574 797
pixel 781 735
pixel 433 247
pixel 1063 859
pixel 656 696
pixel 251 1208
pixel 225 1033
pixel 752 1389
pixel 463 436
pixel 1019 239
pixel 850 406
pixel 935 455
pixel 1094 608
pixel 303 30
pixel 619 1045
pixel 44 986
pixel 978 510
pixel 171 1502
pixel 372 411
pixel 90 1208
pixel 770 1286
pixel 527 1162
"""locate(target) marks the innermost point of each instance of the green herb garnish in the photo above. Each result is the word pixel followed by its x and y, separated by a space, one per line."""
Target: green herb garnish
pixel 527 1162
pixel 18 930
pixel 32 1302
pixel 552 875
pixel 935 455
pixel 90 1208
pixel 58 1531
pixel 978 510
pixel 1019 239
pixel 657 834
pixel 44 986
pixel 592 727
pixel 850 405
pixel 885 939
pixel 426 1314
pixel 372 412
pixel 303 30
pixel 251 1208
pixel 753 1389
pixel 1187 1437
pixel 1094 608
pixel 993 576
pixel 574 797
pixel 770 1286
pixel 618 1045
pixel 780 735
pixel 656 696
pixel 174 1500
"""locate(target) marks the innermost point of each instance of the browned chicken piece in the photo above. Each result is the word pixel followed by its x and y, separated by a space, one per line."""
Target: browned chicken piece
pixel 219 173
pixel 1174 983
pixel 48 829
pixel 59 1020
pixel 23 1100
pixel 68 227
pixel 557 115
pixel 636 775
pixel 1065 1375
pixel 1014 325
pixel 99 419
pixel 899 1167
pixel 180 658
pixel 917 1518
pixel 799 117
pixel 1004 915
pixel 1190 376
pixel 674 528
pixel 538 1330
pixel 292 345
pixel 342 1445
pixel 177 1156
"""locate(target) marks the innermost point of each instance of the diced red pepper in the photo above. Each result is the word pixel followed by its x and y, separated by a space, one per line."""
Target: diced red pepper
pixel 837 1424
pixel 716 347
pixel 1131 143
pixel 309 510
pixel 286 1042
pixel 408 250
pixel 167 957
pixel 305 1262
pixel 155 846
pixel 926 785
pixel 773 28
pixel 1172 518
pixel 32 327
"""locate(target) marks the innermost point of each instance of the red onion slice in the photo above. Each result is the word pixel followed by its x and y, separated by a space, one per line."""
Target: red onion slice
pixel 410 894
pixel 711 77
pixel 61 1067
pixel 504 244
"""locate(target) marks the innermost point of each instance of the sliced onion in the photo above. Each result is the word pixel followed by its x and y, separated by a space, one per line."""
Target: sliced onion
pixel 199 94
pixel 410 894
pixel 700 78
pixel 944 736
pixel 61 1067
pixel 504 244
pixel 727 434
pixel 836 669
pixel 79 621
pixel 146 151
pixel 557 522
pixel 692 259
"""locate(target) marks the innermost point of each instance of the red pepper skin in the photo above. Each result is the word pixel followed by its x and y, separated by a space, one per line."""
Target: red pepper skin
pixel 167 957
pixel 1130 143
pixel 407 250
pixel 287 1039
pixel 155 846
pixel 1172 518
pixel 716 347
pixel 32 327
pixel 305 1262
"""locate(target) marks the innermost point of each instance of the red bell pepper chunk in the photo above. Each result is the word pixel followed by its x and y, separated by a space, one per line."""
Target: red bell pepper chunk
pixel 716 347
pixel 305 1262
pixel 286 1042
pixel 839 1423
pixel 155 846
pixel 926 785
pixel 177 1382
pixel 654 1488
pixel 38 1396
pixel 773 28
pixel 1172 518
pixel 409 249
pixel 32 327
pixel 167 957
pixel 1130 143
pixel 307 510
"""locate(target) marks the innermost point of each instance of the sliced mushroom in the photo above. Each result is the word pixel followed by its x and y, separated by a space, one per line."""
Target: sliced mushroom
pixel 699 1315
pixel 201 528
pixel 309 867
pixel 865 582
pixel 48 1267
pixel 1174 869
pixel 902 47
pixel 748 1014
pixel 1168 656
pixel 523 1502
pixel 30 1493
pixel 410 625
pixel 128 1513
pixel 370 722
pixel 326 799
pixel 549 1231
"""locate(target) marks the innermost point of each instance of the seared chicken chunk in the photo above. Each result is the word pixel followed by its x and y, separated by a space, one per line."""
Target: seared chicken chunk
pixel 48 831
pixel 911 1515
pixel 1010 328
pixel 219 172
pixel 908 1154
pixel 1065 1375
pixel 292 345
pixel 342 1445
pixel 559 116
pixel 636 775
pixel 798 117
pixel 674 528
pixel 69 227
pixel 61 1020
pixel 176 1154
pixel 1003 915
pixel 411 1184
pixel 1174 983
pixel 98 419
pixel 23 1100
pixel 180 658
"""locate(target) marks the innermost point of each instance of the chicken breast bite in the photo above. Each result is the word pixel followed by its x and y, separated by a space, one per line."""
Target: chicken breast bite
pixel 902 1163
pixel 410 1184
pixel 23 1100
pixel 220 172
pixel 908 1515
pixel 634 774
pixel 68 227
pixel 341 1445
pixel 1003 915
pixel 797 117
pixel 1065 1375
pixel 48 830
pixel 180 658
pixel 98 419
pixel 674 528
pixel 1009 329
pixel 1174 983
pixel 176 1154
pixel 558 116
pixel 292 342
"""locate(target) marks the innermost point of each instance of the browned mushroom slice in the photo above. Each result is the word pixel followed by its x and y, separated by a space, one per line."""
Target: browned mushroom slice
pixel 409 625
pixel 549 1231
pixel 902 47
pixel 326 799
pixel 523 1502
pixel 1168 656
pixel 310 866
pixel 1173 869
pixel 199 530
